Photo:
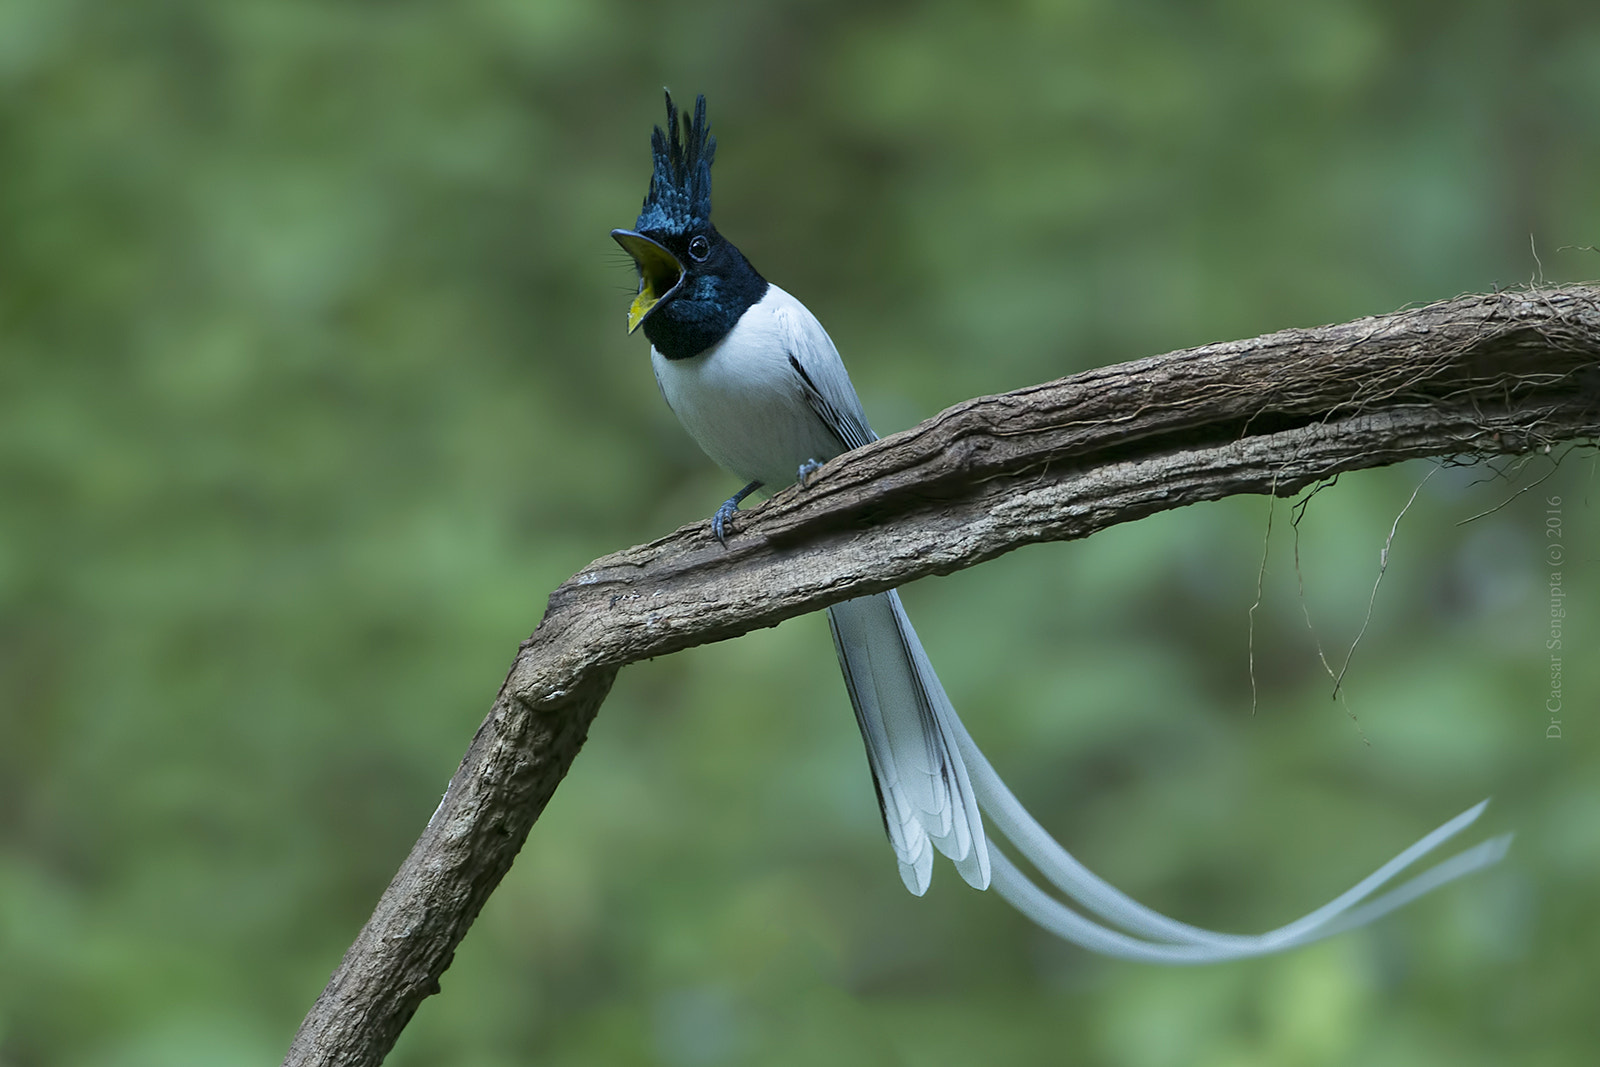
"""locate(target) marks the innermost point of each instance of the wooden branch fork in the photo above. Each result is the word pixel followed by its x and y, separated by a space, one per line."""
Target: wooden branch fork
pixel 1477 376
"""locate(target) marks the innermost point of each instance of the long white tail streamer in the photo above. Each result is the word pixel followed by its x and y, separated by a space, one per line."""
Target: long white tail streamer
pixel 1175 942
pixel 1067 924
pixel 1186 943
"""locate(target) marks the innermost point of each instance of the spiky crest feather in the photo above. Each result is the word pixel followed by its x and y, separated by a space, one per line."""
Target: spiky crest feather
pixel 680 186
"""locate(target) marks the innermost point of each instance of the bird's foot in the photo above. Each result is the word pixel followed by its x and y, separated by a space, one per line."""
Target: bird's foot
pixel 804 473
pixel 719 521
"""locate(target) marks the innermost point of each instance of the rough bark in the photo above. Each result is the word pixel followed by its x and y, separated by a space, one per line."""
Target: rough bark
pixel 1464 379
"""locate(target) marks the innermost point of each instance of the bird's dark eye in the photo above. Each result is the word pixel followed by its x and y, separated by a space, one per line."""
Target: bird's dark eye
pixel 699 247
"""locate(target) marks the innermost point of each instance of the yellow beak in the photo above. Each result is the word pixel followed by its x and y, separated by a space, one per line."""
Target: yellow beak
pixel 660 273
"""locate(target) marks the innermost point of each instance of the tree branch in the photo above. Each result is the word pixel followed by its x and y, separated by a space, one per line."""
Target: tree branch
pixel 1466 378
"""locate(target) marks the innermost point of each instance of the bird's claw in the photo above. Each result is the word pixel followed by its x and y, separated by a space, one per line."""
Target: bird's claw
pixel 719 521
pixel 804 473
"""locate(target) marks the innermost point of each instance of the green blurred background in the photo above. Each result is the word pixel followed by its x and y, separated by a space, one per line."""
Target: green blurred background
pixel 314 383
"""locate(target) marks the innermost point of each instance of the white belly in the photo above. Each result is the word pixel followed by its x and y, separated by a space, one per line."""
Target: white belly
pixel 742 401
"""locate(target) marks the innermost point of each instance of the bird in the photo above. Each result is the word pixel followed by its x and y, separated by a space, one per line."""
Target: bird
pixel 757 382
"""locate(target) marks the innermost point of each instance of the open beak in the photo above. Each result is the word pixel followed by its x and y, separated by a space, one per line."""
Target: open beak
pixel 660 273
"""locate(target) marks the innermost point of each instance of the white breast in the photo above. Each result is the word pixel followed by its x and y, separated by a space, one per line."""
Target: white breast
pixel 742 401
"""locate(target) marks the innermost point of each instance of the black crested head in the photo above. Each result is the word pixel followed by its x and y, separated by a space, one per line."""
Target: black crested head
pixel 680 186
pixel 694 285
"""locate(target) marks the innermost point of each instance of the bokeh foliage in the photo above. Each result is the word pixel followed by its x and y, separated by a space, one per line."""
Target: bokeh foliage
pixel 313 383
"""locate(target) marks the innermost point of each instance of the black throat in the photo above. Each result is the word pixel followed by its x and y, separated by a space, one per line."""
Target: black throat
pixel 714 296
